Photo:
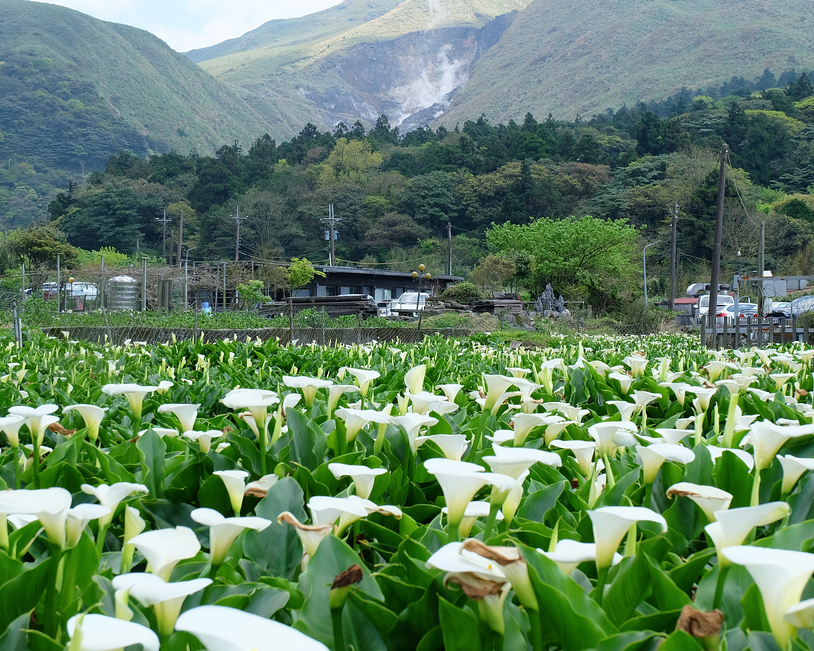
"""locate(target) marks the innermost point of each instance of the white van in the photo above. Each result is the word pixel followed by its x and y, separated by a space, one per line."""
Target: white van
pixel 724 301
pixel 409 303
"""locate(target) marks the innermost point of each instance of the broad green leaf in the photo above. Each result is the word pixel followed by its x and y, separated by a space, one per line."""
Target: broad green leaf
pixel 536 505
pixel 630 641
pixel 629 588
pixel 681 641
pixel 15 634
pixel 152 449
pixel 460 628
pixel 308 442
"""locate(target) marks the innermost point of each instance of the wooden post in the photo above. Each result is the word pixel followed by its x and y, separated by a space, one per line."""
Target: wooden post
pixel 748 330
pixel 704 331
pixel 291 321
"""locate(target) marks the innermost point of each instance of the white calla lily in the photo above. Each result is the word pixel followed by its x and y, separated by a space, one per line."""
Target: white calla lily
pixel 364 377
pixel 164 598
pixel 186 414
pixel 10 426
pixel 583 451
pixel 223 531
pixel 653 456
pixel 412 424
pixel 610 434
pixel 414 379
pixel 102 633
pixel 308 385
pixel 474 510
pixel 524 424
pixel 568 554
pixel 793 469
pixel 134 393
pixel 227 629
pixel 611 524
pixel 452 446
pixel 513 462
pixel 111 496
pixel 362 476
pixel 715 453
pixel 235 483
pixel 50 505
pixel 165 548
pixel 801 615
pixel 450 390
pixel 766 438
pixel 780 575
pixel 355 419
pixel 731 527
pixel 672 436
pixel 92 415
pixel 335 391
pixel 36 418
pixel 204 439
pixel 310 535
pixel 624 381
pixel 708 498
pixel 496 387
pixel 78 518
pixel 260 487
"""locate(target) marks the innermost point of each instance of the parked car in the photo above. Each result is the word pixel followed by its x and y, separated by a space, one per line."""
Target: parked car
pixel 409 303
pixel 724 300
pixel 781 308
pixel 78 289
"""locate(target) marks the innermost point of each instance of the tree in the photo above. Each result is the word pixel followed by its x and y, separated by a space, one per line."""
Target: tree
pixel 579 255
pixel 40 245
pixel 493 273
pixel 301 272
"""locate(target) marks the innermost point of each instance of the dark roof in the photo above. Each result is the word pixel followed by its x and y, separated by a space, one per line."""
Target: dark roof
pixel 362 271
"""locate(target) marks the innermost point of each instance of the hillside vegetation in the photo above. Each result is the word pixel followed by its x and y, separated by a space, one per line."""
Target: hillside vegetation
pixel 75 90
pixel 585 56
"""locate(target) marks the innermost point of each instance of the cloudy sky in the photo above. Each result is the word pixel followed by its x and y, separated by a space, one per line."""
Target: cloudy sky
pixel 190 24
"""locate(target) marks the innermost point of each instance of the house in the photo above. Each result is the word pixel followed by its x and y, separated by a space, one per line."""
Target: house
pixel 381 284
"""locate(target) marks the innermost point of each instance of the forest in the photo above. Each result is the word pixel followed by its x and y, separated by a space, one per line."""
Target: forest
pixel 396 193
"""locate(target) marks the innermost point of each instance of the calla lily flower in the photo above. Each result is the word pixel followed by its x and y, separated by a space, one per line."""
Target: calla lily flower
pixel 310 535
pixel 335 391
pixel 708 498
pixel 186 414
pixel 780 379
pixel 611 524
pixel 678 388
pixel 766 438
pixel 308 385
pixel 426 402
pixel 474 510
pixel 460 481
pixel 653 456
pixel 362 476
pixel 235 483
pixel 451 390
pixel 512 564
pixel 102 633
pixel 610 434
pixel 636 364
pixel 363 378
pixel 801 615
pixel 715 367
pixel 355 419
pixel 227 629
pixel 624 381
pixel 453 446
pixel 500 436
pixel 525 423
pixel 36 418
pixel 50 505
pixel 111 496
pixel 78 518
pixel 412 423
pixel 133 392
pixel 672 436
pixel 715 453
pixel 513 462
pixel 164 598
pixel 703 394
pixel 204 439
pixel 133 525
pixel 10 426
pixel 793 469
pixel 477 576
pixel 163 432
pixel 568 554
pixel 261 487
pixel 781 576
pixel 518 372
pixel 92 415
pixel 223 531
pixel 570 412
pixel 731 527
pixel 496 387
pixel 257 401
pixel 583 451
pixel 627 410
pixel 414 379
pixel 164 548
pixel 326 510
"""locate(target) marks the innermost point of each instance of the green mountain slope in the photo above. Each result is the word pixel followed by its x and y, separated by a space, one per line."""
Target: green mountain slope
pixel 585 56
pixel 385 57
pixel 64 71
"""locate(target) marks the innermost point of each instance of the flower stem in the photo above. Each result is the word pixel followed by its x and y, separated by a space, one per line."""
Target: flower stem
pixel 16 468
pixel 536 631
pixel 262 442
pixel 755 501
pixel 490 522
pixel 36 462
pixel 608 471
pixel 100 539
pixel 339 637
pixel 51 623
pixel 719 586
pixel 601 579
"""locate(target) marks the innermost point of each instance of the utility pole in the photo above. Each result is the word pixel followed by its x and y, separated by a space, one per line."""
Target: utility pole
pixel 673 266
pixel 761 269
pixel 449 248
pixel 180 237
pixel 716 248
pixel 331 233
pixel 164 221
pixel 138 243
pixel 237 219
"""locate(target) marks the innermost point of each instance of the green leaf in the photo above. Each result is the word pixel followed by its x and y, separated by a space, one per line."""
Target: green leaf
pixel 277 548
pixel 568 617
pixel 308 443
pixel 377 612
pixel 152 449
pixel 15 634
pixel 460 629
pixel 762 642
pixel 23 592
pixel 732 475
pixel 629 588
pixel 331 559
pixel 537 505
pixel 664 594
pixel 681 641
pixel 630 641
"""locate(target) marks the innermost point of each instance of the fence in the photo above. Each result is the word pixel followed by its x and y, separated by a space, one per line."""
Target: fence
pixel 757 331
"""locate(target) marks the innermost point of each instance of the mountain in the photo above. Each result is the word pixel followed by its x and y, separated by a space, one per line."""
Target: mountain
pixel 361 59
pixel 585 56
pixel 75 90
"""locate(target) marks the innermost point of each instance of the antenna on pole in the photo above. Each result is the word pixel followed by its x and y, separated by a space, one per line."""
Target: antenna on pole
pixel 164 221
pixel 238 219
pixel 331 234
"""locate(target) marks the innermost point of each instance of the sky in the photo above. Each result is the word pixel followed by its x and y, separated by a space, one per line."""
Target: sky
pixel 189 24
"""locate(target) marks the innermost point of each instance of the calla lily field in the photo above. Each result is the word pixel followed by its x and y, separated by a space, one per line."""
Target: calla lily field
pixel 607 493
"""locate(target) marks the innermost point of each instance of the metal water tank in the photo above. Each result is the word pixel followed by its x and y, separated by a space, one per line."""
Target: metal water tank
pixel 123 293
